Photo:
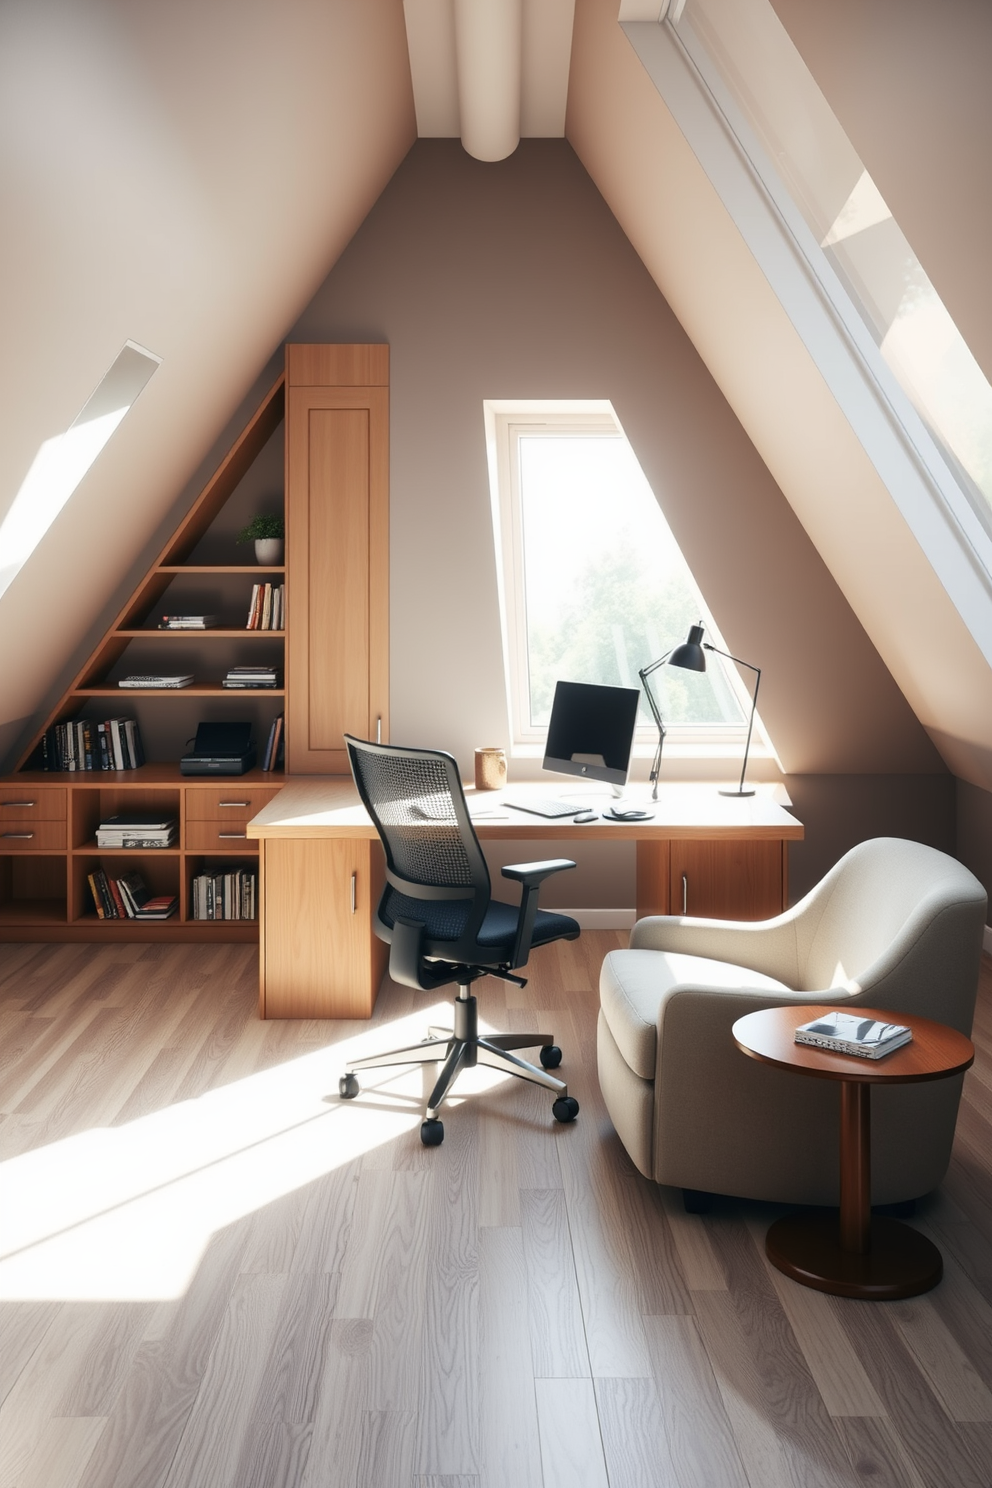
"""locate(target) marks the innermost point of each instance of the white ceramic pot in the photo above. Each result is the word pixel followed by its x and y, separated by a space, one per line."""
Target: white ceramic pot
pixel 269 549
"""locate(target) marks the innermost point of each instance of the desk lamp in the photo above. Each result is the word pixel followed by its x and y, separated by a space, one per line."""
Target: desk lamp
pixel 692 658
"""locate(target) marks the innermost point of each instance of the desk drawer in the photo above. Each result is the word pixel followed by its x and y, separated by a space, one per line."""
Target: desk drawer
pixel 227 803
pixel 31 836
pixel 22 803
pixel 219 836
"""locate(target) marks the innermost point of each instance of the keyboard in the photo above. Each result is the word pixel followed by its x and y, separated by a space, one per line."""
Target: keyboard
pixel 548 808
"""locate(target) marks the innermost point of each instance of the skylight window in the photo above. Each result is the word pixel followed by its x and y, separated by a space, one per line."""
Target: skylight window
pixel 594 585
pixel 848 215
pixel 63 460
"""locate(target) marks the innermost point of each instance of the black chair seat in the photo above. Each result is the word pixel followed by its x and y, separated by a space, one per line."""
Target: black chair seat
pixel 445 919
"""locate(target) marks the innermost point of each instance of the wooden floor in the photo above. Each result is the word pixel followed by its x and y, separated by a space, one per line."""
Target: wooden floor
pixel 214 1273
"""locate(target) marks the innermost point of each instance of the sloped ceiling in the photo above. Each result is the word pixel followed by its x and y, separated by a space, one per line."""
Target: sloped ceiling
pixel 628 141
pixel 182 174
pixel 185 174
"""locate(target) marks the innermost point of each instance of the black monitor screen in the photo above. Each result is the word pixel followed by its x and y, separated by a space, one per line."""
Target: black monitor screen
pixel 592 731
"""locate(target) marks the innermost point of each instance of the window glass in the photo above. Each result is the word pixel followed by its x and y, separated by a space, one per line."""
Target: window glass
pixel 597 587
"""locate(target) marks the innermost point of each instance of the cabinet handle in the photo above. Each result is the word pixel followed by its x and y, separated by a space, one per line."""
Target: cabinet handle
pixel 354 893
pixel 18 803
pixel 233 803
pixel 378 731
pixel 232 834
pixel 26 836
pixel 685 894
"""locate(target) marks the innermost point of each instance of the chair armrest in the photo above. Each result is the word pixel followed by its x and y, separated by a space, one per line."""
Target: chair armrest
pixel 531 876
pixel 535 873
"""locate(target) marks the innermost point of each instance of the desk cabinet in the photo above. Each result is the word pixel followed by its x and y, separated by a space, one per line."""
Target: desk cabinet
pixel 743 879
pixel 319 955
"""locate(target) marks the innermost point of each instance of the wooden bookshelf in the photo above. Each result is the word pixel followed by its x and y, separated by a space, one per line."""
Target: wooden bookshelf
pixel 48 819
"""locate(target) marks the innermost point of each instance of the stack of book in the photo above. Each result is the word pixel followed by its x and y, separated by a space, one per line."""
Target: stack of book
pixel 275 748
pixel 85 744
pixel 230 895
pixel 158 679
pixel 187 622
pixel 846 1033
pixel 128 898
pixel 266 611
pixel 251 676
pixel 137 829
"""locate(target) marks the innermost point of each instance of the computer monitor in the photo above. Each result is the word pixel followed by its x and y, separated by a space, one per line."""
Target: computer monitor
pixel 591 732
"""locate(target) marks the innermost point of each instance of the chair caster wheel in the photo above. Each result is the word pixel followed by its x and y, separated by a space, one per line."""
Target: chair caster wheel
pixel 551 1056
pixel 565 1108
pixel 348 1087
pixel 432 1132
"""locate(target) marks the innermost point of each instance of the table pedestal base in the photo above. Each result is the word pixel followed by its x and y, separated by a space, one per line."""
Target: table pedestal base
pixel 899 1263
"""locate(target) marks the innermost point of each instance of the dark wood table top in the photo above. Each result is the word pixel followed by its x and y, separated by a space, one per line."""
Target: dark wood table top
pixel 935 1051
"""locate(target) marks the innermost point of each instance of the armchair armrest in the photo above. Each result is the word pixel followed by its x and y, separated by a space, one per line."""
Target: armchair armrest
pixel 531 876
pixel 768 946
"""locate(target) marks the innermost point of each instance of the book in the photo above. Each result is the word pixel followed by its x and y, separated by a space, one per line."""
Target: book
pixel 271 755
pixel 846 1033
pixel 187 622
pixel 179 680
pixel 88 744
pixel 159 908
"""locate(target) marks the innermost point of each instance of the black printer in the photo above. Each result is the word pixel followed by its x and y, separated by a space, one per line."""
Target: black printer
pixel 220 749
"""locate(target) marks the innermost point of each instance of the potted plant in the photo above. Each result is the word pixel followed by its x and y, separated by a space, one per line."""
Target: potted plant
pixel 267 533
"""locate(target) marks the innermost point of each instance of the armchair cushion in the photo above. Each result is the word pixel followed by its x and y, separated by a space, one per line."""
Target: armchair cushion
pixel 635 985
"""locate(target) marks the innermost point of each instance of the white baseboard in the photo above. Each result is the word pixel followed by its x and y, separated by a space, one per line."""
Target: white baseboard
pixel 986 938
pixel 602 919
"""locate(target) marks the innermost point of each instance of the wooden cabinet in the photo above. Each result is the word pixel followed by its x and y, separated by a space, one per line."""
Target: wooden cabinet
pixel 337 519
pixel 318 948
pixel 710 878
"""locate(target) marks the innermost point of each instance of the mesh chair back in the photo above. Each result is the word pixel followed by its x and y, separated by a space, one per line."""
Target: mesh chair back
pixel 416 801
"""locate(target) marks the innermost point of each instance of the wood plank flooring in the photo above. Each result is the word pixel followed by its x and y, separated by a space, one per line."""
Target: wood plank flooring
pixel 213 1274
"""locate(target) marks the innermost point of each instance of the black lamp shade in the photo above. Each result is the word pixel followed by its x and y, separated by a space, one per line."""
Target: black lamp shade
pixel 690 655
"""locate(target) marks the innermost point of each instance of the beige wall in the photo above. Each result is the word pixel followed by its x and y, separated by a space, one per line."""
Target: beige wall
pixel 909 82
pixel 514 279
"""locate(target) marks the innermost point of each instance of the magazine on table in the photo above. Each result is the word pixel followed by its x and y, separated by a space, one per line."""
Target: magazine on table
pixel 846 1033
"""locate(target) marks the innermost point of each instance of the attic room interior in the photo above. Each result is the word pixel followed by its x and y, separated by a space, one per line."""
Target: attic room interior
pixel 415 218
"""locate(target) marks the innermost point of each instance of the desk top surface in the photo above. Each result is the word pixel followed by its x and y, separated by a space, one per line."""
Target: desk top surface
pixel 328 806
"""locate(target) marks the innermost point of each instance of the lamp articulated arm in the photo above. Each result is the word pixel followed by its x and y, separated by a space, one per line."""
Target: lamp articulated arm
pixel 740 791
pixel 644 673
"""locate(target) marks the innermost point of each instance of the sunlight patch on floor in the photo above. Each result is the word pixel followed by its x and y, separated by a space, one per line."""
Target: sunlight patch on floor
pixel 125 1213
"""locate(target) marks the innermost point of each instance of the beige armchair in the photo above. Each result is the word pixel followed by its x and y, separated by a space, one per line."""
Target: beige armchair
pixel 893 925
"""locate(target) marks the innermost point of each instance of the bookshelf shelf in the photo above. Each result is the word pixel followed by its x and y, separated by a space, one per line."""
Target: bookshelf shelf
pixel 215 632
pixel 221 568
pixel 195 689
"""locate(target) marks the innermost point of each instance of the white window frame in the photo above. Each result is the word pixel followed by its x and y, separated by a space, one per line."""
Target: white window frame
pixel 505 423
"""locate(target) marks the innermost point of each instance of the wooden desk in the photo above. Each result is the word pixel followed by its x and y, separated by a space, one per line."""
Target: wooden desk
pixel 321 875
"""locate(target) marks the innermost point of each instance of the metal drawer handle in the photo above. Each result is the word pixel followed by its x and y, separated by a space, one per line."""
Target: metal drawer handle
pixel 18 803
pixel 232 834
pixel 233 803
pixel 685 895
pixel 25 836
pixel 354 892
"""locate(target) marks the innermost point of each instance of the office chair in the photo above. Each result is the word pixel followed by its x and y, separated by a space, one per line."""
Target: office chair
pixel 442 925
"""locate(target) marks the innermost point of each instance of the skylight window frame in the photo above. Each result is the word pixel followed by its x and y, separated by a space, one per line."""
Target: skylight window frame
pixel 506 423
pixel 919 477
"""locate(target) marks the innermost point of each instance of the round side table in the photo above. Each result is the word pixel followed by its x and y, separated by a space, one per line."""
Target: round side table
pixel 855 1254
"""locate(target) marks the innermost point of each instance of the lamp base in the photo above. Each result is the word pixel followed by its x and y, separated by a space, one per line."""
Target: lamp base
pixel 748 792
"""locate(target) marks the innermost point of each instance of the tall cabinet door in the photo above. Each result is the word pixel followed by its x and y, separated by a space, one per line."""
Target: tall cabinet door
pixel 337 517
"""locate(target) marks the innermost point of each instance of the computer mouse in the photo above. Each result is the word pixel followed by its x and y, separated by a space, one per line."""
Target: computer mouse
pixel 585 816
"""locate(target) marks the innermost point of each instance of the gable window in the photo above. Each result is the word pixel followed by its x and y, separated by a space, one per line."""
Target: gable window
pixel 593 584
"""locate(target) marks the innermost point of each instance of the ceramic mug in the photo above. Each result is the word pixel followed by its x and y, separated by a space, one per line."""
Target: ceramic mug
pixel 490 769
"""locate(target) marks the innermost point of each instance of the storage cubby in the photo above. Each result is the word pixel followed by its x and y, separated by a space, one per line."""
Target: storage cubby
pixel 92 805
pixel 159 868
pixel 33 889
pixel 196 865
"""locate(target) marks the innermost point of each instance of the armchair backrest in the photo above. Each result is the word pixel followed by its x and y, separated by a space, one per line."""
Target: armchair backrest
pixel 898 924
